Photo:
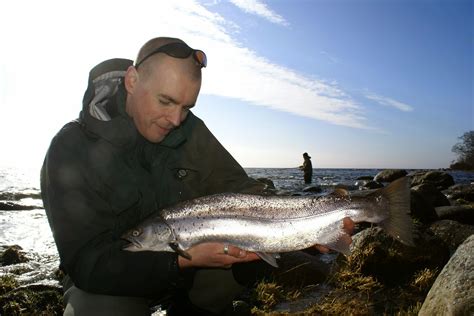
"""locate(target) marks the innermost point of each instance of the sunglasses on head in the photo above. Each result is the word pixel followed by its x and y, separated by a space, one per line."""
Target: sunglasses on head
pixel 178 50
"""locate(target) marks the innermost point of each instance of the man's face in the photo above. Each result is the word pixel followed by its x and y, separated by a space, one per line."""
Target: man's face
pixel 160 101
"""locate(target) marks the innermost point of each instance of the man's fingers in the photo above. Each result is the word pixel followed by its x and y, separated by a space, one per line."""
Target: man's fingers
pixel 234 251
pixel 348 225
pixel 321 248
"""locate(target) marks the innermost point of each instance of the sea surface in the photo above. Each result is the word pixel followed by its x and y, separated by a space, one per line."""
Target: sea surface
pixel 28 226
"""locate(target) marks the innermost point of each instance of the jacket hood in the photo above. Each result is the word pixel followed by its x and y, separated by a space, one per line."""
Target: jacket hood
pixel 103 107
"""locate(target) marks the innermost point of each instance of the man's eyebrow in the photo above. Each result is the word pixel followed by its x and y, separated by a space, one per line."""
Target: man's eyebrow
pixel 167 97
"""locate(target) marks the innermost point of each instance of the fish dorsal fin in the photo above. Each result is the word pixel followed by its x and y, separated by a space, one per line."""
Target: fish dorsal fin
pixel 339 192
pixel 270 258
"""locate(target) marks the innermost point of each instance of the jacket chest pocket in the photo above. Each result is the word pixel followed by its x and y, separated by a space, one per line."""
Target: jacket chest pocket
pixel 126 205
pixel 186 182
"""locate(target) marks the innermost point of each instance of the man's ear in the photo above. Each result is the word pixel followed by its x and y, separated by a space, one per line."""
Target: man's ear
pixel 131 79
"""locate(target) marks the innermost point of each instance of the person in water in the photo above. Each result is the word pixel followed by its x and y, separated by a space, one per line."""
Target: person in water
pixel 135 149
pixel 307 168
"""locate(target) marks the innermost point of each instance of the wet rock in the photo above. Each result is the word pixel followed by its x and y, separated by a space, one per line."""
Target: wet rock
pixel 391 262
pixel 452 292
pixel 11 206
pixel 313 189
pixel 268 182
pixel 461 213
pixel 439 179
pixel 16 196
pixel 431 194
pixel 451 232
pixel 346 187
pixel 13 255
pixel 421 209
pixel 368 178
pixel 389 175
pixel 461 191
pixel 373 185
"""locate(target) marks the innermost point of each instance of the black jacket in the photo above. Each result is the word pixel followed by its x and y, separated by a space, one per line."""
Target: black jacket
pixel 100 177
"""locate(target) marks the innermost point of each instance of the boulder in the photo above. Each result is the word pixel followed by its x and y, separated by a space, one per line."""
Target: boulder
pixel 268 182
pixel 389 175
pixel 431 194
pixel 452 292
pixel 391 262
pixel 11 206
pixel 13 255
pixel 421 209
pixel 451 232
pixel 439 179
pixel 461 213
pixel 461 191
pixel 368 178
pixel 314 189
pixel 373 185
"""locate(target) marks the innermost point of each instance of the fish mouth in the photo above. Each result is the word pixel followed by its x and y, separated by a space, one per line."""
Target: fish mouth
pixel 132 245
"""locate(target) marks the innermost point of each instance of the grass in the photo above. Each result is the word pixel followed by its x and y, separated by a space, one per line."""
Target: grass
pixel 354 290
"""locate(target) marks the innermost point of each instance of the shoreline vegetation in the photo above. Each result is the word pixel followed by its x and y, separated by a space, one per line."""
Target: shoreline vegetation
pixel 380 277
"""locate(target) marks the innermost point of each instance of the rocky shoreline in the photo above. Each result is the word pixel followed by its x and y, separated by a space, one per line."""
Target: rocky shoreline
pixel 381 276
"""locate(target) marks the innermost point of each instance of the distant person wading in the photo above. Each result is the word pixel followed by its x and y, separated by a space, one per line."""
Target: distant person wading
pixel 307 168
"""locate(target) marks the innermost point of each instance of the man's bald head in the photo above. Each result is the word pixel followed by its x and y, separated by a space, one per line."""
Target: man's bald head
pixel 146 68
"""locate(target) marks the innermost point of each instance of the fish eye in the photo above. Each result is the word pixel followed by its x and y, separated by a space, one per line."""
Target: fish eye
pixel 136 233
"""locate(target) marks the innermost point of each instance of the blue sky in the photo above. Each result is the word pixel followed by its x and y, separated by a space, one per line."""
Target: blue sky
pixel 356 84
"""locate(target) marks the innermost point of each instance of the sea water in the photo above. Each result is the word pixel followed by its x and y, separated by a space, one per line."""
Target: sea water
pixel 30 230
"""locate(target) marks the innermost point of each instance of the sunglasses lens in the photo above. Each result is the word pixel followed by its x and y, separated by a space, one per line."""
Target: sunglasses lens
pixel 200 58
pixel 177 50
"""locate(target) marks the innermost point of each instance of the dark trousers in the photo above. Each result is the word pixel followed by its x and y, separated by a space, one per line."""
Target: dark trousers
pixel 212 292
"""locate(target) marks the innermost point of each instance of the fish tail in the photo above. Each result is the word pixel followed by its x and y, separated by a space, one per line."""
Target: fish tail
pixel 399 223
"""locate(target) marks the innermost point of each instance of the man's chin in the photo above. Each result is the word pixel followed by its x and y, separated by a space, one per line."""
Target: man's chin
pixel 155 138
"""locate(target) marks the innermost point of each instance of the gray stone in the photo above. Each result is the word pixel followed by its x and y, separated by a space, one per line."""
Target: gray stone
pixel 439 179
pixel 431 194
pixel 421 209
pixel 268 182
pixel 314 189
pixel 461 191
pixel 452 292
pixel 451 232
pixel 389 175
pixel 461 213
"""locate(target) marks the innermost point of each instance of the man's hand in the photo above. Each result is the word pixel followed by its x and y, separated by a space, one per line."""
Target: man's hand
pixel 211 255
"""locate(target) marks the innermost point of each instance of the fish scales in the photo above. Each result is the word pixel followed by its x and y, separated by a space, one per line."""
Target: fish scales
pixel 270 224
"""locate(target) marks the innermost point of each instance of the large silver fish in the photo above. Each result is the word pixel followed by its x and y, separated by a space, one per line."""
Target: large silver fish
pixel 269 225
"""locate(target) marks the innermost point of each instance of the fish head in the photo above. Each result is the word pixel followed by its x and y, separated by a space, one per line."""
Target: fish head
pixel 150 236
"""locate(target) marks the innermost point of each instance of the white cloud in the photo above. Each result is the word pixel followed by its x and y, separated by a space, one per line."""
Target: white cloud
pixel 261 9
pixel 50 47
pixel 389 102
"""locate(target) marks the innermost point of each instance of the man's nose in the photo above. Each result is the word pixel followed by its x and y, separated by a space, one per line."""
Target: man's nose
pixel 174 116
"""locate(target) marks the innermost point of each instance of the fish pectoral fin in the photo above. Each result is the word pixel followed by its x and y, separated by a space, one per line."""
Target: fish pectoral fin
pixel 179 251
pixel 341 244
pixel 269 258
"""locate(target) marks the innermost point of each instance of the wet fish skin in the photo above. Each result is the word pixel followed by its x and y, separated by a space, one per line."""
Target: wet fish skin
pixel 273 224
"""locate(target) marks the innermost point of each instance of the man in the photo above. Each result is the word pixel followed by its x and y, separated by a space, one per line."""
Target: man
pixel 307 168
pixel 135 149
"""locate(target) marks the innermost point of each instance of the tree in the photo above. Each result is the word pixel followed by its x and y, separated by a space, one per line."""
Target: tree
pixel 465 152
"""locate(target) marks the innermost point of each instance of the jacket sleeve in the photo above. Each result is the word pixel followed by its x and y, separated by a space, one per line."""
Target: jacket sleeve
pixel 83 229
